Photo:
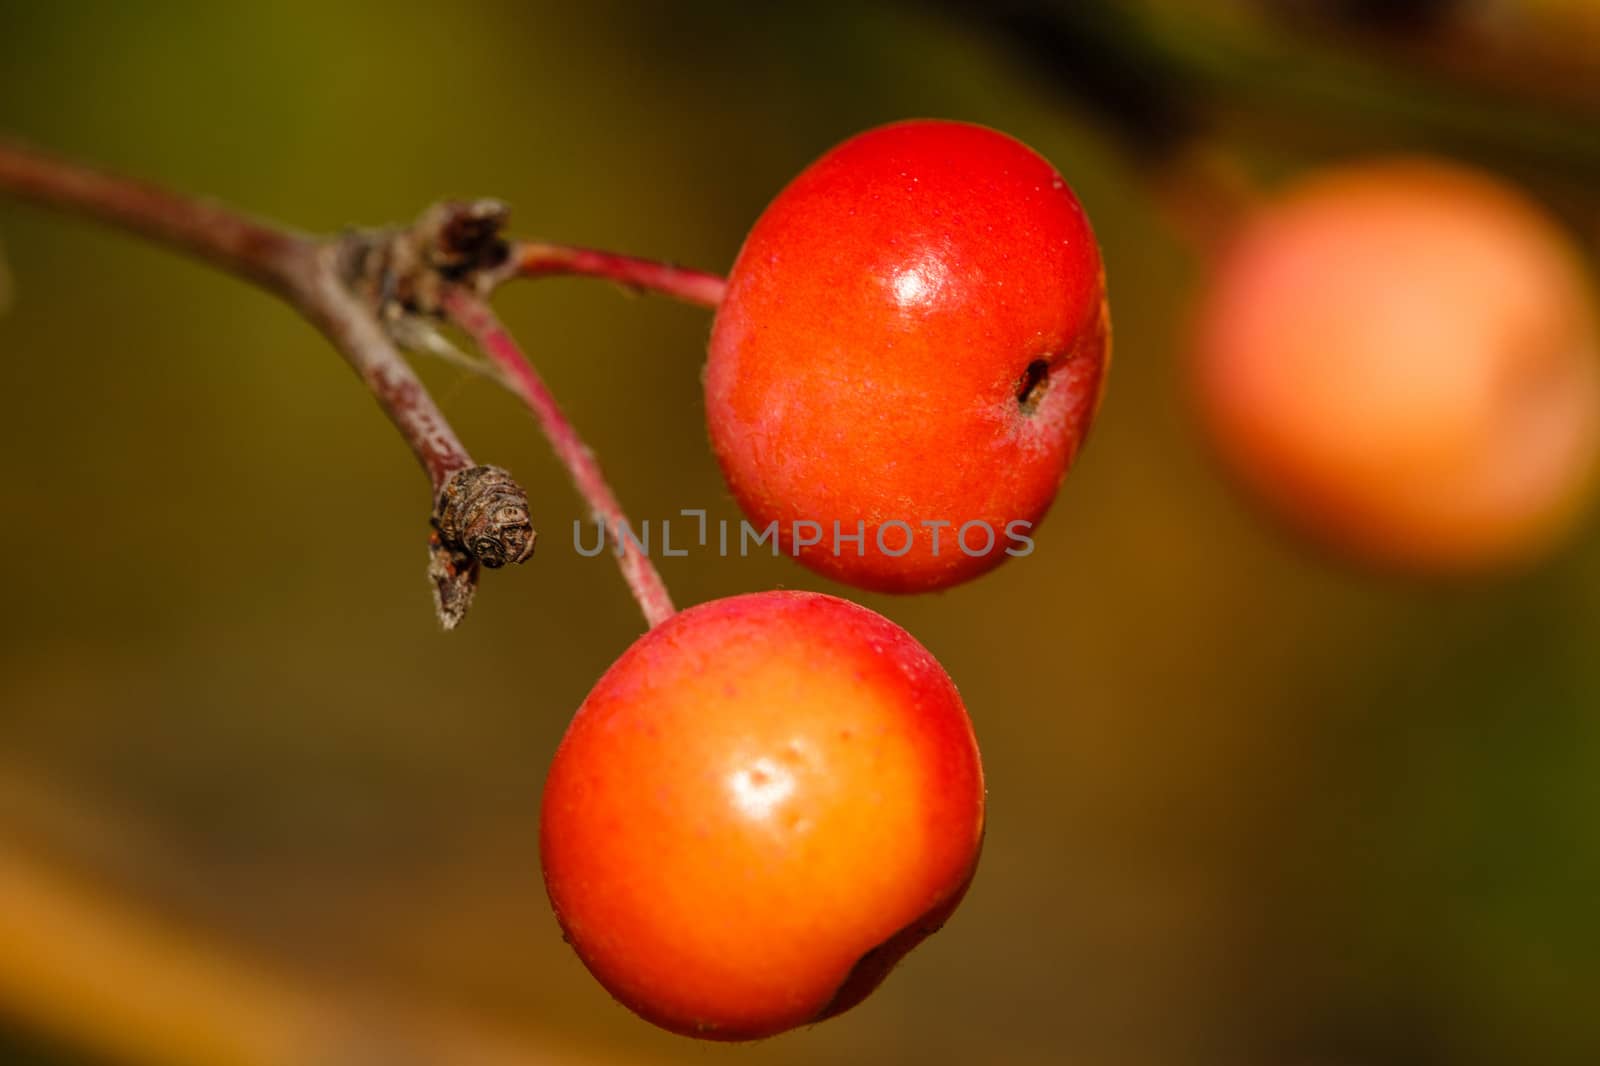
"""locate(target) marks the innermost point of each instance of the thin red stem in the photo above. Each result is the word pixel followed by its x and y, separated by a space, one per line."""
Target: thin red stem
pixel 532 259
pixel 480 322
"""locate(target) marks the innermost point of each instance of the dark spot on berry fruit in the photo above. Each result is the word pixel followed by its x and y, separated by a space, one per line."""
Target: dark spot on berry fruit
pixel 1033 385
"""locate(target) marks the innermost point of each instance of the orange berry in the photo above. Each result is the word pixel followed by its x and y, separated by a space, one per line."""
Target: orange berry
pixel 1402 358
pixel 759 809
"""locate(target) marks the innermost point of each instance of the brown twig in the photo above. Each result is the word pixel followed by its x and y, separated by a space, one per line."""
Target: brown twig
pixel 296 268
pixel 335 310
pixel 268 255
pixel 479 321
pixel 369 291
pixel 311 276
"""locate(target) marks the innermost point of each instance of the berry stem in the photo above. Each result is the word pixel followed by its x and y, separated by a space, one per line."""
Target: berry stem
pixel 534 259
pixel 479 321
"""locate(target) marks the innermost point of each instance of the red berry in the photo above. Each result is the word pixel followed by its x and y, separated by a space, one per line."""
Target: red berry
pixel 914 332
pixel 1401 357
pixel 759 809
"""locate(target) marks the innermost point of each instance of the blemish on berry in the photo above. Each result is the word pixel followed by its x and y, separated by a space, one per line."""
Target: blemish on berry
pixel 1032 386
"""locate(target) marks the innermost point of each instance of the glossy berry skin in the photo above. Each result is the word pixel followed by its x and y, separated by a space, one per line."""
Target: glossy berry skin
pixel 914 331
pixel 759 809
pixel 1401 358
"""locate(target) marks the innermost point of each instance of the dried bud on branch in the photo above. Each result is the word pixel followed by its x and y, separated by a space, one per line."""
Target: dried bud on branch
pixel 484 512
pixel 481 518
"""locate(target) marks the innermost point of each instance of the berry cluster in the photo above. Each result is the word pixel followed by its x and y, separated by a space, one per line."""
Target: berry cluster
pixel 769 799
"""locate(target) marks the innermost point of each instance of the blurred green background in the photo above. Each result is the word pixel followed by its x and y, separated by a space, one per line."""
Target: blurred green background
pixel 1248 806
